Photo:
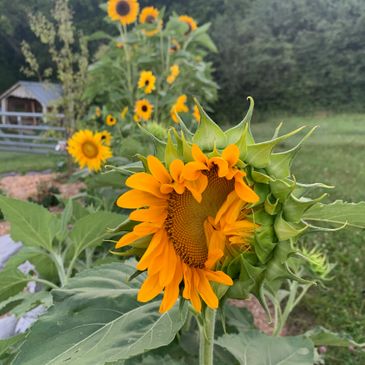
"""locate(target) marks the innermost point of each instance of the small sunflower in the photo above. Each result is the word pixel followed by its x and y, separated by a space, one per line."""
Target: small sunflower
pixel 149 15
pixel 147 81
pixel 190 22
pixel 126 11
pixel 124 113
pixel 106 138
pixel 174 73
pixel 175 46
pixel 110 120
pixel 97 112
pixel 87 149
pixel 179 107
pixel 196 113
pixel 143 110
pixel 197 214
pixel 119 45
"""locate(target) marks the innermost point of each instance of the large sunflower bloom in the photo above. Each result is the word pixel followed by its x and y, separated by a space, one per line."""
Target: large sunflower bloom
pixel 143 110
pixel 195 214
pixel 87 149
pixel 190 22
pixel 179 107
pixel 149 15
pixel 126 11
pixel 147 81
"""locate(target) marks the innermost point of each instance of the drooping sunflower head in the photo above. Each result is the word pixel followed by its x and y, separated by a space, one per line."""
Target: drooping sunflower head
pixel 110 120
pixel 214 206
pixel 88 149
pixel 106 138
pixel 190 22
pixel 150 17
pixel 179 107
pixel 143 110
pixel 147 81
pixel 125 11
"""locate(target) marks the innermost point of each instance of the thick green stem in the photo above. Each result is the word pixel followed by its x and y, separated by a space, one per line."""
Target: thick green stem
pixel 57 259
pixel 206 333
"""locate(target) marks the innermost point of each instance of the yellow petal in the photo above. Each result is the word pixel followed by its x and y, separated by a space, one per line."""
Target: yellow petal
pixel 222 165
pixel 198 155
pixel 149 289
pixel 153 214
pixel 219 277
pixel 245 192
pixel 158 170
pixel 176 169
pixel 137 199
pixel 231 154
pixel 145 182
pixel 206 291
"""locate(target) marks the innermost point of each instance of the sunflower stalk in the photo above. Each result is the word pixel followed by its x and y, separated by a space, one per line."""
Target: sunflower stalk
pixel 206 336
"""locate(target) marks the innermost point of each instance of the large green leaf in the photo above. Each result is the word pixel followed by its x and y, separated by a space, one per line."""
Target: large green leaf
pixel 339 213
pixel 31 224
pixel 97 319
pixel 91 230
pixel 256 348
pixel 12 282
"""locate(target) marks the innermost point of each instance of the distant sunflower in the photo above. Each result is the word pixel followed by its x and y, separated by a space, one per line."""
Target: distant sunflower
pixel 110 120
pixel 179 107
pixel 191 23
pixel 87 149
pixel 197 214
pixel 196 114
pixel 149 15
pixel 147 81
pixel 143 110
pixel 175 46
pixel 174 73
pixel 124 113
pixel 106 137
pixel 126 11
pixel 97 112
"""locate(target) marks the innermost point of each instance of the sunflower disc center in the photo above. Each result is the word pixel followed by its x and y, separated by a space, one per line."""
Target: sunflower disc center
pixel 185 220
pixel 90 150
pixel 123 8
pixel 150 19
pixel 144 108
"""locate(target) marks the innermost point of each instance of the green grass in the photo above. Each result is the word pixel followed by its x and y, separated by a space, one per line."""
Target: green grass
pixel 23 162
pixel 335 155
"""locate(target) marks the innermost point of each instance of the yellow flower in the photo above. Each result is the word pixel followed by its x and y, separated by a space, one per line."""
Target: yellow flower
pixel 191 23
pixel 147 81
pixel 196 113
pixel 149 15
pixel 120 45
pixel 179 107
pixel 143 110
pixel 126 11
pixel 106 137
pixel 88 150
pixel 174 73
pixel 98 112
pixel 110 120
pixel 197 214
pixel 124 113
pixel 175 46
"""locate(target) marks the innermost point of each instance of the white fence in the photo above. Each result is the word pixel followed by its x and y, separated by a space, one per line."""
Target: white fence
pixel 27 132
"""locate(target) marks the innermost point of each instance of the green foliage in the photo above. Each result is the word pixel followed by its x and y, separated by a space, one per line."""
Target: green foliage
pixel 114 325
pixel 255 348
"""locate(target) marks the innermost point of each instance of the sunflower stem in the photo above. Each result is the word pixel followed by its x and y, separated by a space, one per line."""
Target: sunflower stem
pixel 206 334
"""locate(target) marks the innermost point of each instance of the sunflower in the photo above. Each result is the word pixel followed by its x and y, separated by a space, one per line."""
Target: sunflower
pixel 106 137
pixel 110 120
pixel 196 113
pixel 190 22
pixel 149 15
pixel 174 73
pixel 143 110
pixel 196 214
pixel 147 81
pixel 175 46
pixel 97 112
pixel 124 113
pixel 126 11
pixel 88 150
pixel 179 107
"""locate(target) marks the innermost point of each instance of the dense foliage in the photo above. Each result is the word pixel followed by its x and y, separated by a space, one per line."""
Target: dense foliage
pixel 300 54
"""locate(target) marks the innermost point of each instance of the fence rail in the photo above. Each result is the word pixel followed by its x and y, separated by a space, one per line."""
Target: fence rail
pixel 27 132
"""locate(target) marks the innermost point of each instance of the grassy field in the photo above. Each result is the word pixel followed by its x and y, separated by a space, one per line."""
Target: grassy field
pixel 334 154
pixel 23 162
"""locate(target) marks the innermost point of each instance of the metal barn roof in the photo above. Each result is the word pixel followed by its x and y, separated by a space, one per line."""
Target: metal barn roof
pixel 44 93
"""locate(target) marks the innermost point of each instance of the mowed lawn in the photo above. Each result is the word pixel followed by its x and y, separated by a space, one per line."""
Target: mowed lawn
pixel 335 155
pixel 24 162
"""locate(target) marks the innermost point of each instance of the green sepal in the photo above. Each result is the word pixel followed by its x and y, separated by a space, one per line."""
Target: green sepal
pixel 260 177
pixel 209 134
pixel 259 154
pixel 171 152
pixel 134 251
pixel 262 190
pixel 159 145
pixel 272 207
pixel 242 132
pixel 262 218
pixel 281 189
pixel 303 189
pixel 264 242
pixel 285 230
